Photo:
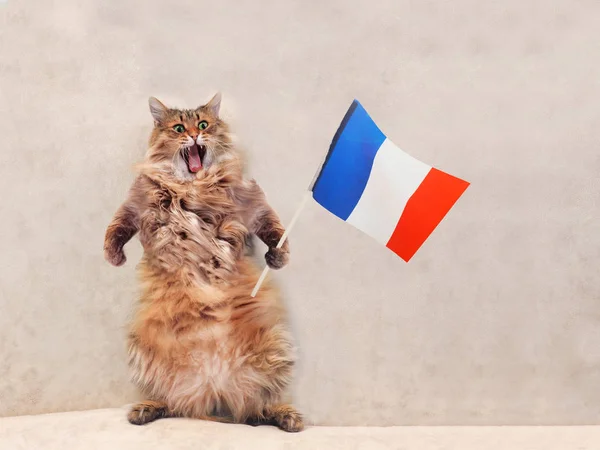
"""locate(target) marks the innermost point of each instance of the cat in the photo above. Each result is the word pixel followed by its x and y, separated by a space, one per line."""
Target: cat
pixel 199 345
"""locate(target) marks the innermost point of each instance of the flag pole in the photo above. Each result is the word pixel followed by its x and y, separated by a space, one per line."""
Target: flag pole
pixel 284 236
pixel 305 198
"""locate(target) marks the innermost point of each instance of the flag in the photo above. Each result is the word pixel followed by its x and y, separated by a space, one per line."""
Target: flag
pixel 370 183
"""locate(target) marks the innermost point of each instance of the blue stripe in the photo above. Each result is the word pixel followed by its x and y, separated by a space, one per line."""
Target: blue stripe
pixel 348 164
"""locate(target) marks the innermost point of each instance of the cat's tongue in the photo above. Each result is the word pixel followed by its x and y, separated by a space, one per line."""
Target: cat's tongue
pixel 194 162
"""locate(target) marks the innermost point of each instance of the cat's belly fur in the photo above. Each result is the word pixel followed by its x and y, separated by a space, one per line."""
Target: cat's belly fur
pixel 232 358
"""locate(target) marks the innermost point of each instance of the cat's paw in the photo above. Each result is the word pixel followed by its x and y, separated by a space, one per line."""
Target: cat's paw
pixel 145 412
pixel 115 256
pixel 288 419
pixel 277 257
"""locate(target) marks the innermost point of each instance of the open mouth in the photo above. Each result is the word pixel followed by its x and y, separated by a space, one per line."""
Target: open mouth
pixel 194 156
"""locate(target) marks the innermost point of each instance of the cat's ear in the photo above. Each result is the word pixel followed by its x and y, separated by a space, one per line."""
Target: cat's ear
pixel 214 105
pixel 157 109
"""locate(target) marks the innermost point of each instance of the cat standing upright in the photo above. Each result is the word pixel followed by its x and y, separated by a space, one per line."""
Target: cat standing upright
pixel 200 346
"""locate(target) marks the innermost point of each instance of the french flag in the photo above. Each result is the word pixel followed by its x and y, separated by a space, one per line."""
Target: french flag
pixel 370 183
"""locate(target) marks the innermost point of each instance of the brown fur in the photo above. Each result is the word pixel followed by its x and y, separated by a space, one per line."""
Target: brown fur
pixel 200 346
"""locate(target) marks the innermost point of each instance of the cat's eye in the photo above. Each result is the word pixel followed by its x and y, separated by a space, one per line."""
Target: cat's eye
pixel 203 125
pixel 179 128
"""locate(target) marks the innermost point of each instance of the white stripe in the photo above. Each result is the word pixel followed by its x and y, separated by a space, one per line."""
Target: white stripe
pixel 394 178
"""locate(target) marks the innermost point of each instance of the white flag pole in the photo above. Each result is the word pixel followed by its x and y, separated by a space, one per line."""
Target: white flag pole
pixel 307 195
pixel 263 275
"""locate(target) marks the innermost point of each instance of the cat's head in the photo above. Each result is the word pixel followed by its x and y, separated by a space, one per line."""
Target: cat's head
pixel 191 140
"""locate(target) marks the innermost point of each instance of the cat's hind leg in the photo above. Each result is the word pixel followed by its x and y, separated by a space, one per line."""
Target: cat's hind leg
pixel 285 417
pixel 148 411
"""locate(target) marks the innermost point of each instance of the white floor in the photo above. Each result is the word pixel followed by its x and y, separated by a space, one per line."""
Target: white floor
pixel 108 429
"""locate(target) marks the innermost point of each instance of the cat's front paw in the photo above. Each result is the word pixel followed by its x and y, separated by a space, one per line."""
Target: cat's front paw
pixel 115 256
pixel 277 257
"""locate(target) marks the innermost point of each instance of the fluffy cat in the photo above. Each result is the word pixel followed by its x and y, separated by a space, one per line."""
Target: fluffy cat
pixel 200 346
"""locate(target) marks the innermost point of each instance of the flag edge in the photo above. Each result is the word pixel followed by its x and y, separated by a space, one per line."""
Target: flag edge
pixel 334 141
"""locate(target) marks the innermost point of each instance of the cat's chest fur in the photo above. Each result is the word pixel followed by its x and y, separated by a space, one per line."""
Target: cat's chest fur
pixel 194 227
pixel 206 211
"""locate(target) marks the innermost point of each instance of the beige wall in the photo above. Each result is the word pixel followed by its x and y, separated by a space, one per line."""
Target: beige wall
pixel 497 318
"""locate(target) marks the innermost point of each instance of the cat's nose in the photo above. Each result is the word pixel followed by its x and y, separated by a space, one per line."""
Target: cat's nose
pixel 194 136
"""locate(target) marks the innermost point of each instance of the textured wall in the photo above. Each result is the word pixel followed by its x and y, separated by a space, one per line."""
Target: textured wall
pixel 496 320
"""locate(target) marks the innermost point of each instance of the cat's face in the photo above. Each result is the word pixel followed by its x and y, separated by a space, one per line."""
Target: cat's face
pixel 191 139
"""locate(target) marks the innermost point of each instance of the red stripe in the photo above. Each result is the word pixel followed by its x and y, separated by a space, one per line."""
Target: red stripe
pixel 424 211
